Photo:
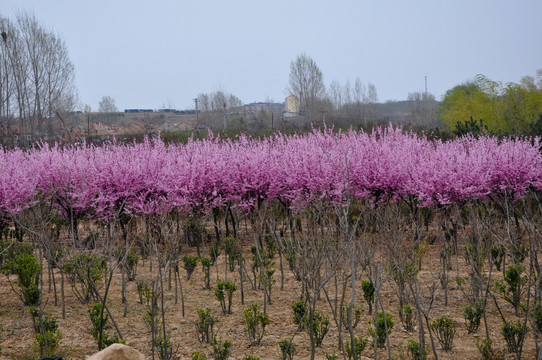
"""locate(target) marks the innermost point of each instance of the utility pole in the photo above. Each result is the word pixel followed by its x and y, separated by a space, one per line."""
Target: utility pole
pixel 196 101
pixel 224 116
pixel 426 85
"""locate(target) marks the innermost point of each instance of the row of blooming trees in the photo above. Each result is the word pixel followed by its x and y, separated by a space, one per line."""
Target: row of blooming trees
pixel 150 178
pixel 343 210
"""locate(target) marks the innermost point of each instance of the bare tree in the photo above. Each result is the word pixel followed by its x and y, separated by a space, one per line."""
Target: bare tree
pixel 213 105
pixel 335 94
pixel 423 109
pixel 107 105
pixel 307 83
pixel 38 80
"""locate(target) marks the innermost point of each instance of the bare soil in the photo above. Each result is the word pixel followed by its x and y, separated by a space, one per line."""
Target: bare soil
pixel 17 335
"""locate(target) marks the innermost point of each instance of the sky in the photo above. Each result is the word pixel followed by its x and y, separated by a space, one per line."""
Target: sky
pixel 163 53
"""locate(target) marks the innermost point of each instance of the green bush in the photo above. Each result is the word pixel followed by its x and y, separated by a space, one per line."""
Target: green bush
pixel 214 252
pixel 356 316
pixel 198 356
pixel 131 265
pixel 47 334
pixel 511 287
pixel 287 349
pixel 270 247
pixel 28 271
pixel 190 262
pixel 250 357
pixel 299 309
pixel 514 334
pixel 473 316
pixel 497 256
pixel 256 322
pixel 407 316
pixel 485 347
pixel 86 272
pixel 206 266
pixel 415 350
pixel 224 293
pixel 445 329
pixel 320 327
pixel 205 325
pixel 368 289
pixel 100 324
pixel 9 251
pixel 384 321
pixel 221 349
pixel 537 318
pixel 359 345
pixel 231 250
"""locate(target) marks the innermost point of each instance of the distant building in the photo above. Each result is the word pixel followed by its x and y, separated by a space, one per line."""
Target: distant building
pixel 291 104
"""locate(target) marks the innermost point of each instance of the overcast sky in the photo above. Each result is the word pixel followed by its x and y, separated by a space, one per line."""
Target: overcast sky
pixel 159 53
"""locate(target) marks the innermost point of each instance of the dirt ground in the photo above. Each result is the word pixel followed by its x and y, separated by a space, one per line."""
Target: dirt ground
pixel 17 335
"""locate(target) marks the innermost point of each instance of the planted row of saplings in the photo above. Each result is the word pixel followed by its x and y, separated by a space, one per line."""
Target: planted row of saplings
pixel 315 323
pixel 312 258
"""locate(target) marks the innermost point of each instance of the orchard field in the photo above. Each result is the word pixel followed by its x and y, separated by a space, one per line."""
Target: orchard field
pixel 325 245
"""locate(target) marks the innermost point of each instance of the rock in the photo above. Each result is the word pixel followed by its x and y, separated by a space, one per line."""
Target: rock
pixel 117 352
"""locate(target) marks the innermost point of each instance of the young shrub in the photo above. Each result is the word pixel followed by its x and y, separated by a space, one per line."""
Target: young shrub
pixel 206 266
pixel 99 327
pixel 205 325
pixel 408 317
pixel 412 350
pixel 190 262
pixel 368 289
pixel 497 256
pixel 320 327
pixel 287 349
pixel 267 279
pixel 360 343
pixel 383 322
pixel 131 265
pixel 87 271
pixel 221 349
pixel 214 252
pixel 9 251
pixel 47 334
pixel 299 309
pixel 231 250
pixel 511 287
pixel 224 293
pixel 256 322
pixel 416 350
pixel 332 356
pixel 356 316
pixel 445 328
pixel 198 356
pixel 485 347
pixel 250 357
pixel 28 271
pixel 537 318
pixel 473 316
pixel 514 335
pixel 270 247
